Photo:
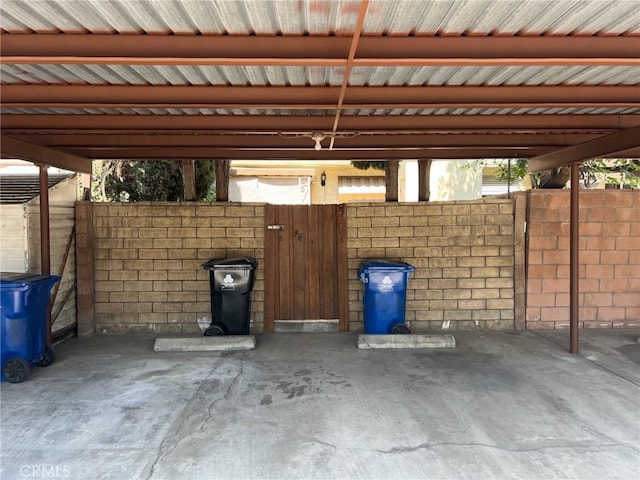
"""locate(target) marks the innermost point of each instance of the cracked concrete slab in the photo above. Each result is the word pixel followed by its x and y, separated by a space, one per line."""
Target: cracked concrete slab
pixel 498 406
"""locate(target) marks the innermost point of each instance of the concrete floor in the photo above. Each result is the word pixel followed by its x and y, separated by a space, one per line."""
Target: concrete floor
pixel 498 406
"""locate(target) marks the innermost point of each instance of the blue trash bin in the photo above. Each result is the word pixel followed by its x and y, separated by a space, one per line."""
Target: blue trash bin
pixel 24 303
pixel 385 296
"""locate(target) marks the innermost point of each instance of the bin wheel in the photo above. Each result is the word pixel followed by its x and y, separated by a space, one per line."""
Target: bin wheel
pixel 400 329
pixel 15 370
pixel 215 329
pixel 48 357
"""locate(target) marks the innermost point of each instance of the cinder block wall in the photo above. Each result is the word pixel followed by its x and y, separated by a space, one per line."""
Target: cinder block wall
pixel 609 259
pixel 148 257
pixel 463 253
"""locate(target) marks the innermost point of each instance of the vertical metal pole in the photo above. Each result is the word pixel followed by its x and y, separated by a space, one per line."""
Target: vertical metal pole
pixel 574 247
pixel 45 243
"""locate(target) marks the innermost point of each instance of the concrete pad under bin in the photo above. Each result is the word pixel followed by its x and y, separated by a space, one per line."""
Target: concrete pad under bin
pixel 222 343
pixel 406 341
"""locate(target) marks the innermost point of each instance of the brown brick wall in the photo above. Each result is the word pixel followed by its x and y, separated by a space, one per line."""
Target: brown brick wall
pixel 609 259
pixel 148 257
pixel 463 253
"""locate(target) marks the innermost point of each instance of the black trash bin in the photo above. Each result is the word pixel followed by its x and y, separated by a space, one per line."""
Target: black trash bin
pixel 231 281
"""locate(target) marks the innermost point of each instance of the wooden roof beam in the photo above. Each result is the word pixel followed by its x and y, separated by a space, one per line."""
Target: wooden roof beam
pixel 11 147
pixel 602 146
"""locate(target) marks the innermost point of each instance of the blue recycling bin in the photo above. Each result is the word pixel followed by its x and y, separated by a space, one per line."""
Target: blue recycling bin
pixel 385 296
pixel 24 304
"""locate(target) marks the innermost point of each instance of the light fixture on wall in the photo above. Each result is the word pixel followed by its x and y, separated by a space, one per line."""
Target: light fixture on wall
pixel 323 179
pixel 317 137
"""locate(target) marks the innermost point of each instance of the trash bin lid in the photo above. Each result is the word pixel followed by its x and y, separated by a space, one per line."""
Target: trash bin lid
pixel 386 266
pixel 15 280
pixel 246 263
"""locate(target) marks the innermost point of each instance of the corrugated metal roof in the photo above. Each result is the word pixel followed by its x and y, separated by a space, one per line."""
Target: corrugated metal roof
pixel 20 188
pixel 568 63
pixel 321 76
pixel 170 75
pixel 321 17
pixel 497 111
pixel 165 111
pixel 304 113
pixel 511 75
pixel 505 17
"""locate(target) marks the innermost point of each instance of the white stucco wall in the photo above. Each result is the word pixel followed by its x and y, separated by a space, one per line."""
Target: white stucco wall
pixel 13 238
pixel 450 180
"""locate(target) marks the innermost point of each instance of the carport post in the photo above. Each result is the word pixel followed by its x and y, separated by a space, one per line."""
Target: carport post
pixel 45 256
pixel 574 250
pixel 391 180
pixel 45 244
pixel 424 170
pixel 222 180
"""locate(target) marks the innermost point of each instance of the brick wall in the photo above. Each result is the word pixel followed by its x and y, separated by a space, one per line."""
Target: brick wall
pixel 609 259
pixel 463 253
pixel 148 257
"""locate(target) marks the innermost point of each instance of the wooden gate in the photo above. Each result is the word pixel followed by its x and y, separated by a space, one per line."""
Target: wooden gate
pixel 305 263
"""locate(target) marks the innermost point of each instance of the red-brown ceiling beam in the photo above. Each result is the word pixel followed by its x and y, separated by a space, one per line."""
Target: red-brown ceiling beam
pixel 335 154
pixel 316 97
pixel 13 148
pixel 364 5
pixel 323 107
pixel 328 62
pixel 277 141
pixel 629 153
pixel 155 47
pixel 280 123
pixel 492 94
pixel 491 62
pixel 176 46
pixel 308 153
pixel 292 133
pixel 328 108
pixel 238 62
pixel 168 95
pixel 605 145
